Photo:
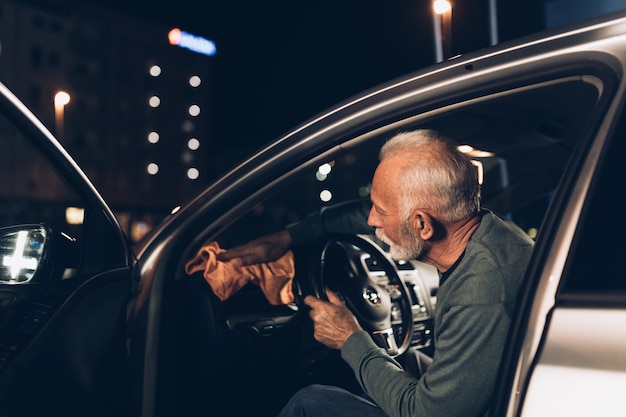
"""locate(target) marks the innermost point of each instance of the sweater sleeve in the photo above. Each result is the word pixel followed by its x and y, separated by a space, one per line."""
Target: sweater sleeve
pixel 459 381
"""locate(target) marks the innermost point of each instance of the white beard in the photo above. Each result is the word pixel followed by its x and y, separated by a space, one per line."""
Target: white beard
pixel 410 248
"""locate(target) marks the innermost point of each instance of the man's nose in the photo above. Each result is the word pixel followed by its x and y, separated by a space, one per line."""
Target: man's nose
pixel 373 219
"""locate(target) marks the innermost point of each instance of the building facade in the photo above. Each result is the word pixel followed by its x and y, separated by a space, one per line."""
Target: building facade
pixel 138 119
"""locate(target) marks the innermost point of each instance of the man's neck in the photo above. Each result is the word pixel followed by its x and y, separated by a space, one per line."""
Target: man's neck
pixel 444 253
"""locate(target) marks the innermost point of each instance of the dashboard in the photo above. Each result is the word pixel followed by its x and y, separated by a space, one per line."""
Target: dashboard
pixel 422 282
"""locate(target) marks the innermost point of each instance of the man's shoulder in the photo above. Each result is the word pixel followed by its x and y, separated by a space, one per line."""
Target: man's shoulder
pixel 495 228
pixel 497 245
pixel 494 259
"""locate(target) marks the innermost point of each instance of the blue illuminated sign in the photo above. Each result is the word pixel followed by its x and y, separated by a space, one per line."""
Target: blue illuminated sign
pixel 192 42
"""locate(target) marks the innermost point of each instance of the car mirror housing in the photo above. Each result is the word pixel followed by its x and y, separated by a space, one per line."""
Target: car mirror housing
pixel 23 252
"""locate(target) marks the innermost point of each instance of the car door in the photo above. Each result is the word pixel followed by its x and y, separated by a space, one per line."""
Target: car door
pixel 65 278
pixel 575 339
pixel 567 353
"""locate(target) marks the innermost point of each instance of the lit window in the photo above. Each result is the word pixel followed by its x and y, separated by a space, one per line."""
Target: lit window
pixel 155 70
pixel 193 144
pixel 193 173
pixel 186 157
pixel 194 110
pixel 153 137
pixel 187 126
pixel 152 168
pixel 154 101
pixel 195 81
pixel 74 215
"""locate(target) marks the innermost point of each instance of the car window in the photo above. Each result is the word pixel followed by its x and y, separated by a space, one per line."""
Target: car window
pixel 33 193
pixel 595 270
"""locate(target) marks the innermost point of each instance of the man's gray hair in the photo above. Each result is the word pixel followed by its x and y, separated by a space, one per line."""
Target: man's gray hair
pixel 437 175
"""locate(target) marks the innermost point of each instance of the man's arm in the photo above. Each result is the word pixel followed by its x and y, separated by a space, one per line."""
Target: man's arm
pixel 349 217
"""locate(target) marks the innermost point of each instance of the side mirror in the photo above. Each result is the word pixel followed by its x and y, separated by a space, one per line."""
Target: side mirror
pixel 23 251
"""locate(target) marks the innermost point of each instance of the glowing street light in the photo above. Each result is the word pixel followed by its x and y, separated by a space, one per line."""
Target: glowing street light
pixel 441 6
pixel 442 20
pixel 61 99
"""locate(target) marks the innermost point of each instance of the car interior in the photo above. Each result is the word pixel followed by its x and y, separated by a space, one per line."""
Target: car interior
pixel 520 142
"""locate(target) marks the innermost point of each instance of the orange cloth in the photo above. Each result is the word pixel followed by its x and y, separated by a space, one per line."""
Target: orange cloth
pixel 228 277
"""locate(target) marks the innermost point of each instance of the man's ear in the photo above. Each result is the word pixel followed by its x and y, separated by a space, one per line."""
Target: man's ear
pixel 423 224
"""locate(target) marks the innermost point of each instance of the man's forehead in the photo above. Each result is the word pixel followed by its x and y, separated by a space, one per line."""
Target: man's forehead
pixel 382 194
pixel 387 175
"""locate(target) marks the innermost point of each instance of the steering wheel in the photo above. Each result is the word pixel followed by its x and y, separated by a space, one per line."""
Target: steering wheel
pixel 339 264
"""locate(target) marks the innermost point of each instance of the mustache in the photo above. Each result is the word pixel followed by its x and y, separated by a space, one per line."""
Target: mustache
pixel 381 235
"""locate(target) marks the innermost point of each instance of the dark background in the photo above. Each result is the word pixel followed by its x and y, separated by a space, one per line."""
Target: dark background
pixel 280 62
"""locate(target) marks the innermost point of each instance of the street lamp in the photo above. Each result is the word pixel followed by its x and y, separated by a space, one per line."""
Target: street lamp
pixel 61 99
pixel 493 22
pixel 442 25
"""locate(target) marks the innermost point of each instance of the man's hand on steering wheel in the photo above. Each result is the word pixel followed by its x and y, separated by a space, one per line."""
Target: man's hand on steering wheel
pixel 337 263
pixel 333 323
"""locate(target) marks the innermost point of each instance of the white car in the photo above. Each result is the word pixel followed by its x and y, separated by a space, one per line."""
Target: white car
pixel 92 326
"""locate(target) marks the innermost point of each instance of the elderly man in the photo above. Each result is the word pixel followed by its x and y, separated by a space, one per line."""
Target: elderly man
pixel 425 205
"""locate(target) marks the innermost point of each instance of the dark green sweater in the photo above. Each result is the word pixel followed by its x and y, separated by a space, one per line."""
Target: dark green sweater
pixel 475 302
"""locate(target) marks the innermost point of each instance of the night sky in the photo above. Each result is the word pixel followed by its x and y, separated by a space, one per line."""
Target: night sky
pixel 280 62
